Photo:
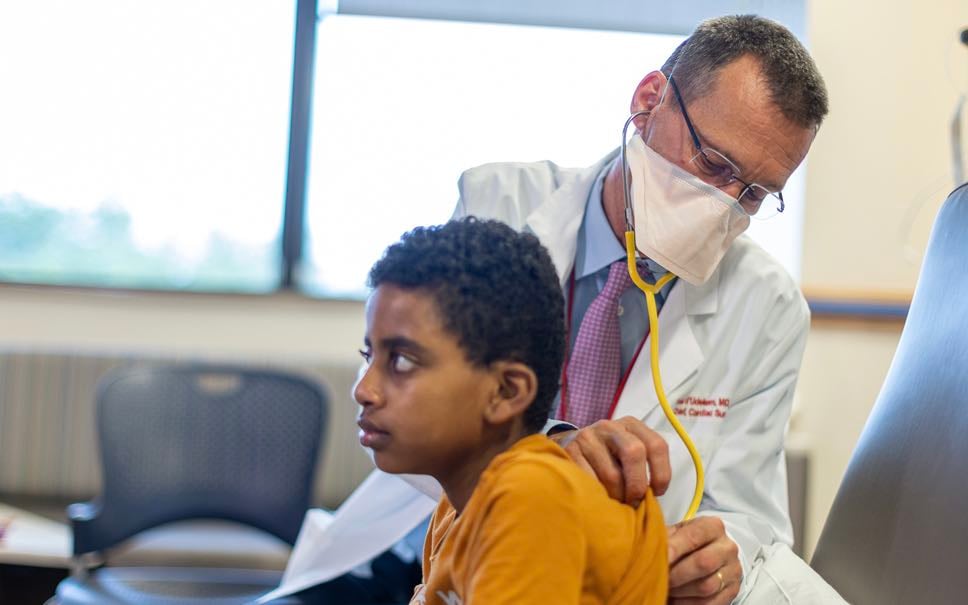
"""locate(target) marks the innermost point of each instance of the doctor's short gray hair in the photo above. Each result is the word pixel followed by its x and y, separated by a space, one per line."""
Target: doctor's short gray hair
pixel 795 84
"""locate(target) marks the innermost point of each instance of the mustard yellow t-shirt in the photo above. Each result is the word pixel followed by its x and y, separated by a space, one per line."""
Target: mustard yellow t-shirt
pixel 538 529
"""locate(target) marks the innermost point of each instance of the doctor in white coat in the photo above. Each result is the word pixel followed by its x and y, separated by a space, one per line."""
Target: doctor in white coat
pixel 720 128
pixel 745 108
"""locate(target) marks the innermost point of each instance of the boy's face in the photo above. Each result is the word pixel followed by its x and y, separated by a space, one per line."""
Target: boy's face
pixel 422 401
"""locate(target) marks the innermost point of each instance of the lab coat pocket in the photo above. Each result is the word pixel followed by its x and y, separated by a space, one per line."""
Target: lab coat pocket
pixel 781 577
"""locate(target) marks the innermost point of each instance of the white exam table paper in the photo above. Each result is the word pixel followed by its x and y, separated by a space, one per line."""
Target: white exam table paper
pixel 382 510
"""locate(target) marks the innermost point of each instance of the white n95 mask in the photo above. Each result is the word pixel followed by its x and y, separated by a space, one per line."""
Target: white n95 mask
pixel 681 222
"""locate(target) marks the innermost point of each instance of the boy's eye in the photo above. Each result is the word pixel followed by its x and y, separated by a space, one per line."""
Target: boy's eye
pixel 402 364
pixel 367 355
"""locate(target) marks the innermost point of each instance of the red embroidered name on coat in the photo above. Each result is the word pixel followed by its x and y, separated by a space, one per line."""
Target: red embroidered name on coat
pixel 701 407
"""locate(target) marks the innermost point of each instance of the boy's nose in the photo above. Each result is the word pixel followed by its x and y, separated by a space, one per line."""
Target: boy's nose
pixel 365 391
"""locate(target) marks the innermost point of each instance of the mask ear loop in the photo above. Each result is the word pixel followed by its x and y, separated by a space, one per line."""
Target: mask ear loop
pixel 650 290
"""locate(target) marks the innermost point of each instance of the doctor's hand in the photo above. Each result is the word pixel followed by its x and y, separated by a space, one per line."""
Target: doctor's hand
pixel 704 567
pixel 625 455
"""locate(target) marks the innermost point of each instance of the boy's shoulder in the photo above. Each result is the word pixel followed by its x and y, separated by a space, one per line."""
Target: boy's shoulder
pixel 536 470
pixel 535 490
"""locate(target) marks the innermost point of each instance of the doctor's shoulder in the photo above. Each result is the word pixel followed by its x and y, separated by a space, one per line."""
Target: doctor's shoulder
pixel 752 277
pixel 508 191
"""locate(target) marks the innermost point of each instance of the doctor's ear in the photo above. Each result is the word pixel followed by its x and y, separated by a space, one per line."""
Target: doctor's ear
pixel 517 386
pixel 647 96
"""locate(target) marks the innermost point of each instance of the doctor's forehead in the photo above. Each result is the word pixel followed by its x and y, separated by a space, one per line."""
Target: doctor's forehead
pixel 739 118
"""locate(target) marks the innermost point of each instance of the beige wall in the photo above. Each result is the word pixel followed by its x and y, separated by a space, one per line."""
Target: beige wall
pixel 876 176
pixel 279 326
pixel 880 165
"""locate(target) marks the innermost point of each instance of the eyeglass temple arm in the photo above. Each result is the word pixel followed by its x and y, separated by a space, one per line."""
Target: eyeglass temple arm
pixel 695 137
pixel 682 106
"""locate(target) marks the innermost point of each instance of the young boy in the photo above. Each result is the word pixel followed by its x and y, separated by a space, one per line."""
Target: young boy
pixel 464 346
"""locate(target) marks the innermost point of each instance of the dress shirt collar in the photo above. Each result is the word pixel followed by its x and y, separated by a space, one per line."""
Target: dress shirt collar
pixel 597 245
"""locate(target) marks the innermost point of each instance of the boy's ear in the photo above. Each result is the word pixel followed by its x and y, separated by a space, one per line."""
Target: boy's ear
pixel 517 385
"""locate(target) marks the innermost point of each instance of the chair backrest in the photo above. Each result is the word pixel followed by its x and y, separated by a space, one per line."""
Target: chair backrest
pixel 194 441
pixel 898 528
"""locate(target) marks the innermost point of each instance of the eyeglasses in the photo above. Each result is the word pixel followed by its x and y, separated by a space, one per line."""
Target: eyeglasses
pixel 718 171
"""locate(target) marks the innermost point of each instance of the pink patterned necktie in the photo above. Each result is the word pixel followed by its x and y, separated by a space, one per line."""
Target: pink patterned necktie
pixel 595 364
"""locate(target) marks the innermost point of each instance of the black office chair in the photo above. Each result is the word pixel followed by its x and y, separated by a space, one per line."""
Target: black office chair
pixel 898 528
pixel 190 442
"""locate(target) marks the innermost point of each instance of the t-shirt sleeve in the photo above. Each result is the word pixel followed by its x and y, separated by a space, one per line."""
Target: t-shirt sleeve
pixel 531 544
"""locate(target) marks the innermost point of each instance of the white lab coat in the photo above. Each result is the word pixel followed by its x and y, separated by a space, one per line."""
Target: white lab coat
pixel 737 339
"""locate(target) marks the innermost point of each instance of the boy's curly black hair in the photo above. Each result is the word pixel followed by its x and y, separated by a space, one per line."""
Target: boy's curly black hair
pixel 496 290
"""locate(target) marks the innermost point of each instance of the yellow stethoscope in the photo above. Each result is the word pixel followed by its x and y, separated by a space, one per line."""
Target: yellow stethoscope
pixel 650 291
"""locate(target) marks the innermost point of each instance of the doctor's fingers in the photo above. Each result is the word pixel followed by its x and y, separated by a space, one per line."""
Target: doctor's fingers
pixel 706 535
pixel 657 454
pixel 574 452
pixel 718 588
pixel 633 459
pixel 590 447
pixel 706 567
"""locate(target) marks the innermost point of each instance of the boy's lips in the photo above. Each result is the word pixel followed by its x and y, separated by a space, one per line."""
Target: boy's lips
pixel 371 435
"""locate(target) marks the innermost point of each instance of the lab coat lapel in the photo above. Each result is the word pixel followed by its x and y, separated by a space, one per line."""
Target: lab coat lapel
pixel 556 222
pixel 679 357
